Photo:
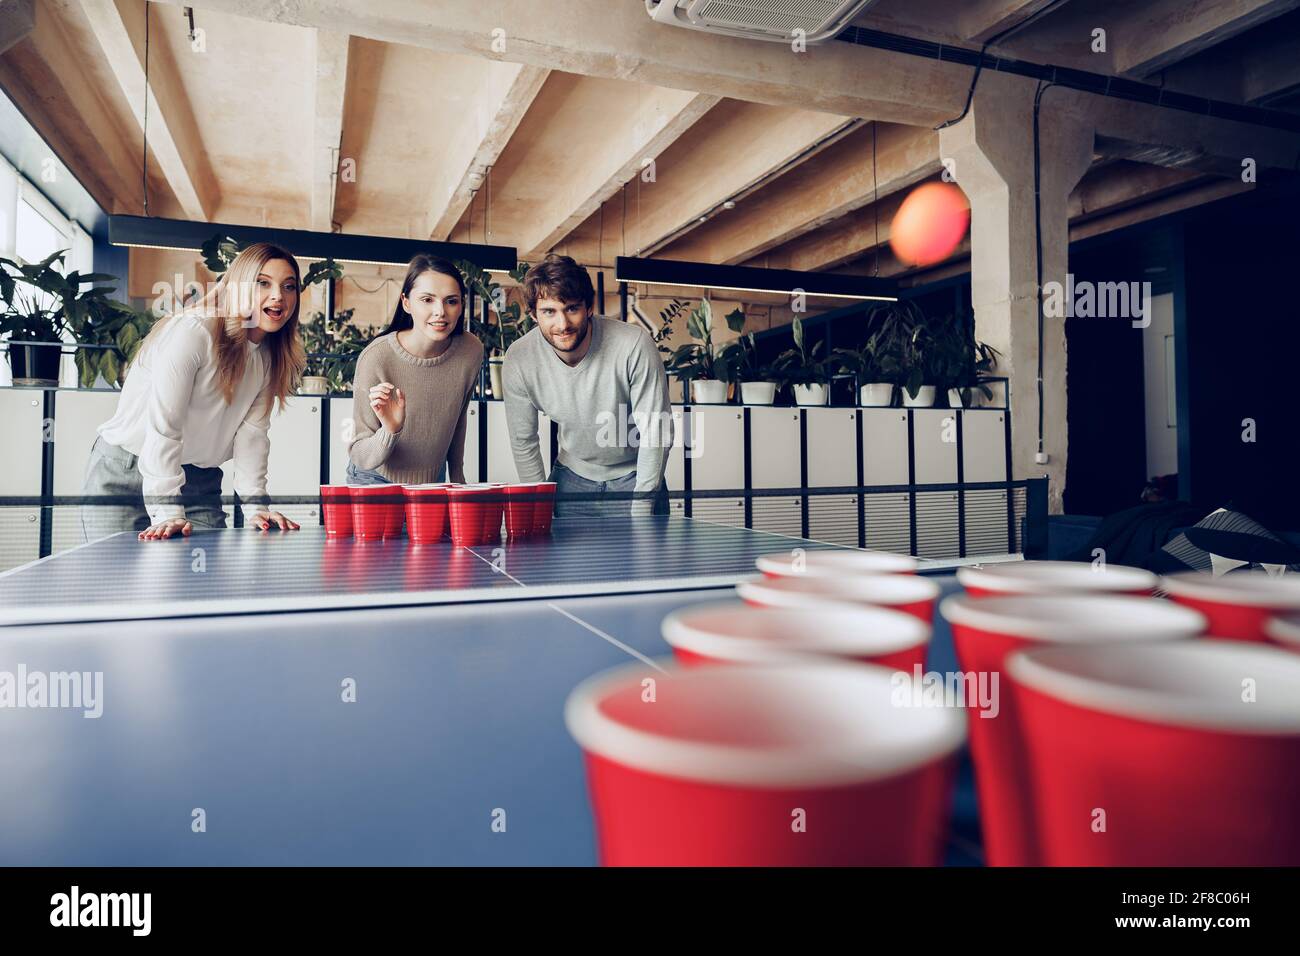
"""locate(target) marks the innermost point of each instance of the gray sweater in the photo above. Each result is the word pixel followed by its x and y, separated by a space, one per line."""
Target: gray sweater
pixel 437 394
pixel 611 408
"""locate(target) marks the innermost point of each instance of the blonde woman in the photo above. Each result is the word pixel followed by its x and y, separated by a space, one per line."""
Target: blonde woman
pixel 200 393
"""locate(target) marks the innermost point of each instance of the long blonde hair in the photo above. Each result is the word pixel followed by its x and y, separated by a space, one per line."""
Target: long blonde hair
pixel 229 302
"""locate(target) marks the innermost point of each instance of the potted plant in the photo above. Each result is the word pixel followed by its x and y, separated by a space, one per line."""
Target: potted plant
pixel 42 305
pixel 900 344
pixel 740 358
pixel 512 322
pixel 333 347
pixel 696 362
pixel 962 364
pixel 740 364
pixel 875 390
pixel 804 369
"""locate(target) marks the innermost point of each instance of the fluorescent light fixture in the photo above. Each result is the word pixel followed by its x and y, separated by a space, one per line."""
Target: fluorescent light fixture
pixel 151 232
pixel 705 275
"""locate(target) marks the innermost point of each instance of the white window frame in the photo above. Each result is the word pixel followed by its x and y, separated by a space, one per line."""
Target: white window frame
pixel 80 246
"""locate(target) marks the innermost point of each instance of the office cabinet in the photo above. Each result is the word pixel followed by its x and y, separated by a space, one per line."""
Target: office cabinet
pixel 77 417
pixel 774 463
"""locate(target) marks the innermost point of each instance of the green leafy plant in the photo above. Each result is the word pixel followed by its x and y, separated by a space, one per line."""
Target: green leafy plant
pixel 955 359
pixel 738 360
pixel 894 351
pixel 333 347
pixel 697 359
pixel 218 253
pixel 802 365
pixel 673 311
pixel 42 304
pixel 512 322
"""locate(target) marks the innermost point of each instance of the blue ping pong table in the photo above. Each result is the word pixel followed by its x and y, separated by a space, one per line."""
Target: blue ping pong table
pixel 226 657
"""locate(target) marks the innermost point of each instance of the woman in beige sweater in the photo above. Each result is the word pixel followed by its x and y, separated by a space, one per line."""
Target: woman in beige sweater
pixel 413 383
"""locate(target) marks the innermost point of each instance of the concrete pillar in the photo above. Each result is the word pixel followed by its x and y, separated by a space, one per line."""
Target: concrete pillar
pixel 992 158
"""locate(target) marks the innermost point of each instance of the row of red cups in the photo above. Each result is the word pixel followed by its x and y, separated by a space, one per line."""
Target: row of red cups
pixel 469 514
pixel 1132 731
pixel 1112 738
pixel 777 738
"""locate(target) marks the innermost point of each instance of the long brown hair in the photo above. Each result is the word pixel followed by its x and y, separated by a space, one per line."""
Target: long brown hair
pixel 422 263
pixel 228 304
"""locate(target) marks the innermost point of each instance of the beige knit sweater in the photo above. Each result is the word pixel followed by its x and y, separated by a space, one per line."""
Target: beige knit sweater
pixel 437 394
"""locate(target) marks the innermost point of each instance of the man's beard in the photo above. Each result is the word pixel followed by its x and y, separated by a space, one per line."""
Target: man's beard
pixel 577 342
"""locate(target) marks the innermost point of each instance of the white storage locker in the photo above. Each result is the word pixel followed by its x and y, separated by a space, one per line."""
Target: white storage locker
pixel 983 439
pixel 341 429
pixel 833 463
pixel 934 437
pixel 77 417
pixel 22 417
pixel 984 459
pixel 884 462
pixel 774 463
pixel 500 459
pixel 22 414
pixel 884 446
pixel 675 469
pixel 888 522
pixel 717 456
pixel 20 536
pixel 937 534
pixel 293 468
pixel 472 414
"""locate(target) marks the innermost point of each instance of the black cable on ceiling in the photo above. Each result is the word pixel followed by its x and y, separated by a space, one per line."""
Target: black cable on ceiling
pixel 1097 83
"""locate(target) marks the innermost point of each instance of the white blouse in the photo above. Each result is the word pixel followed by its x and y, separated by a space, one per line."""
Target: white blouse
pixel 172 413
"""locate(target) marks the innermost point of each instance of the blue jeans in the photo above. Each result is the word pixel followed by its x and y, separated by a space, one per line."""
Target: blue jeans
pixel 568 482
pixel 360 476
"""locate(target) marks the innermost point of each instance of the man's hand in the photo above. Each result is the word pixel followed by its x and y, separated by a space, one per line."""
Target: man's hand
pixel 266 520
pixel 165 529
pixel 389 405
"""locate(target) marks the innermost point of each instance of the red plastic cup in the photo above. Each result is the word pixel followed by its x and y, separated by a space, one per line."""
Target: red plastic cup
pixel 1187 752
pixel 986 631
pixel 394 511
pixel 371 508
pixel 426 512
pixel 1239 604
pixel 1285 631
pixel 521 503
pixel 544 507
pixel 836 564
pixel 908 593
pixel 465 506
pixel 1054 577
pixel 494 509
pixel 809 764
pixel 336 510
pixel 737 633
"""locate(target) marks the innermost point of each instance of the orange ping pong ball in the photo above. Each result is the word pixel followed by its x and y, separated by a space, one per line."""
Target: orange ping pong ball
pixel 929 224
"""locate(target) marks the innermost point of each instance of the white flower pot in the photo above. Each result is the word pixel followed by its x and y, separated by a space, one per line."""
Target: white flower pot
pixel 315 385
pixel 810 394
pixel 494 375
pixel 954 398
pixel 758 393
pixel 876 395
pixel 924 397
pixel 708 392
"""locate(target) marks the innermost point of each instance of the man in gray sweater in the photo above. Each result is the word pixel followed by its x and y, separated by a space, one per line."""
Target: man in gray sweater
pixel 603 383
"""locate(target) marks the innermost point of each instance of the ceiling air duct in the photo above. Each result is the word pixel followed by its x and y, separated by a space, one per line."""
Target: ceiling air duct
pixel 817 20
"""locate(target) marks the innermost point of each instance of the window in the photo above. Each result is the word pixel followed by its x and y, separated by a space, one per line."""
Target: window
pixel 37 236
